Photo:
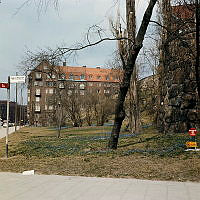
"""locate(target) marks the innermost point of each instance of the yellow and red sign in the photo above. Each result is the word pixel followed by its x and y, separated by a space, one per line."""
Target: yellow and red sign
pixel 191 144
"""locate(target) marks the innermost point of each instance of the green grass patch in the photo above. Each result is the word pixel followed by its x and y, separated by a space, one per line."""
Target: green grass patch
pixel 83 151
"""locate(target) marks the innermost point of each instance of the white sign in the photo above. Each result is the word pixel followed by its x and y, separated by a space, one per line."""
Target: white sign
pixel 17 79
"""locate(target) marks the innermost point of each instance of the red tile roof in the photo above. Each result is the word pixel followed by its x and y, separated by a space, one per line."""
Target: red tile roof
pixel 92 74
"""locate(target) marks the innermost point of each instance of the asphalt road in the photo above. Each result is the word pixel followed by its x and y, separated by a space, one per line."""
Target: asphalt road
pixel 3 131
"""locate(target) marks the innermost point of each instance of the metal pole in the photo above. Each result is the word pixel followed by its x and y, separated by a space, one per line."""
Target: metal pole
pixel 8 102
pixel 16 106
pixel 20 110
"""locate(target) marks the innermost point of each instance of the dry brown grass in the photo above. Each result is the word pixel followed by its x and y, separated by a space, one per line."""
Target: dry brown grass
pixel 183 166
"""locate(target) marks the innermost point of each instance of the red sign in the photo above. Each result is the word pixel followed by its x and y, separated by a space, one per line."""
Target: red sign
pixel 4 85
pixel 192 131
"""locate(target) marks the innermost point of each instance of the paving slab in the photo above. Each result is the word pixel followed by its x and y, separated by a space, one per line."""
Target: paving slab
pixel 15 186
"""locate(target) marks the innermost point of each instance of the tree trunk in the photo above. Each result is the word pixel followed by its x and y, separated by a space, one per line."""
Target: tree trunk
pixel 119 110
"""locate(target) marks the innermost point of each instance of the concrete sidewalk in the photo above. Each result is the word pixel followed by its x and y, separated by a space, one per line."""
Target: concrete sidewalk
pixel 50 187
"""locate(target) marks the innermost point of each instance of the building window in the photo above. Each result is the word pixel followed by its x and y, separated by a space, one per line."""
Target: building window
pixel 61 85
pixel 47 91
pixel 82 86
pixel 107 78
pixel 40 83
pixel 35 83
pixel 38 75
pixel 28 98
pixel 98 91
pixel 29 91
pixel 82 77
pixel 90 84
pixel 71 76
pixel 49 83
pixel 37 91
pixel 45 107
pixel 62 76
pixel 82 92
pixel 37 99
pixel 99 84
pixel 51 91
pixel 99 77
pixel 37 107
pixel 106 91
pixel 51 107
pixel 53 76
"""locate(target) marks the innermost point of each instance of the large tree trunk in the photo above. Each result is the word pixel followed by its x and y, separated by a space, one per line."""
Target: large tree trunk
pixel 119 111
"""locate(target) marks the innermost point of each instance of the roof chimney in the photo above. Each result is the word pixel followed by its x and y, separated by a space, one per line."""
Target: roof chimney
pixel 64 63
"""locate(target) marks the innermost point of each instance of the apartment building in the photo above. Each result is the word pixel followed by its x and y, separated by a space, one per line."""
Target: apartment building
pixel 46 81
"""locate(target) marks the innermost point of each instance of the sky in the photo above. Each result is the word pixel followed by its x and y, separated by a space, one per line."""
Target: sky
pixel 25 28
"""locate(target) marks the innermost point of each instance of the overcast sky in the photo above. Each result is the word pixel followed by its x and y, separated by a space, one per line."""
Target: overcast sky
pixel 68 25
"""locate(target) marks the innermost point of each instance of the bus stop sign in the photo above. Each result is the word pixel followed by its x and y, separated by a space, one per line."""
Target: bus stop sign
pixel 192 131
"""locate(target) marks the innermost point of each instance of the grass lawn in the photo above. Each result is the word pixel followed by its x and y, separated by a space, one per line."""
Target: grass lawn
pixel 82 151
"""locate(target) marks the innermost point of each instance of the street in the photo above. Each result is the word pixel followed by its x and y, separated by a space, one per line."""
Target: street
pixel 3 131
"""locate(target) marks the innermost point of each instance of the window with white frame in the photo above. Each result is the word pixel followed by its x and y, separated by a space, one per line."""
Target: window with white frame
pixel 53 76
pixel 50 107
pixel 38 75
pixel 82 86
pixel 28 99
pixel 61 85
pixel 37 91
pixel 47 91
pixel 45 107
pixel 106 91
pixel 40 83
pixel 37 107
pixel 37 99
pixel 28 91
pixel 50 90
pixel 35 83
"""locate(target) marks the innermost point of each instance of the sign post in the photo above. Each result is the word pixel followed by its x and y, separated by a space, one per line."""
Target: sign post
pixel 11 79
pixel 192 144
pixel 8 102
pixel 17 79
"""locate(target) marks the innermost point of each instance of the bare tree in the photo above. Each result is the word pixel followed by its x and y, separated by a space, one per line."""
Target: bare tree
pixel 119 113
pixel 129 64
